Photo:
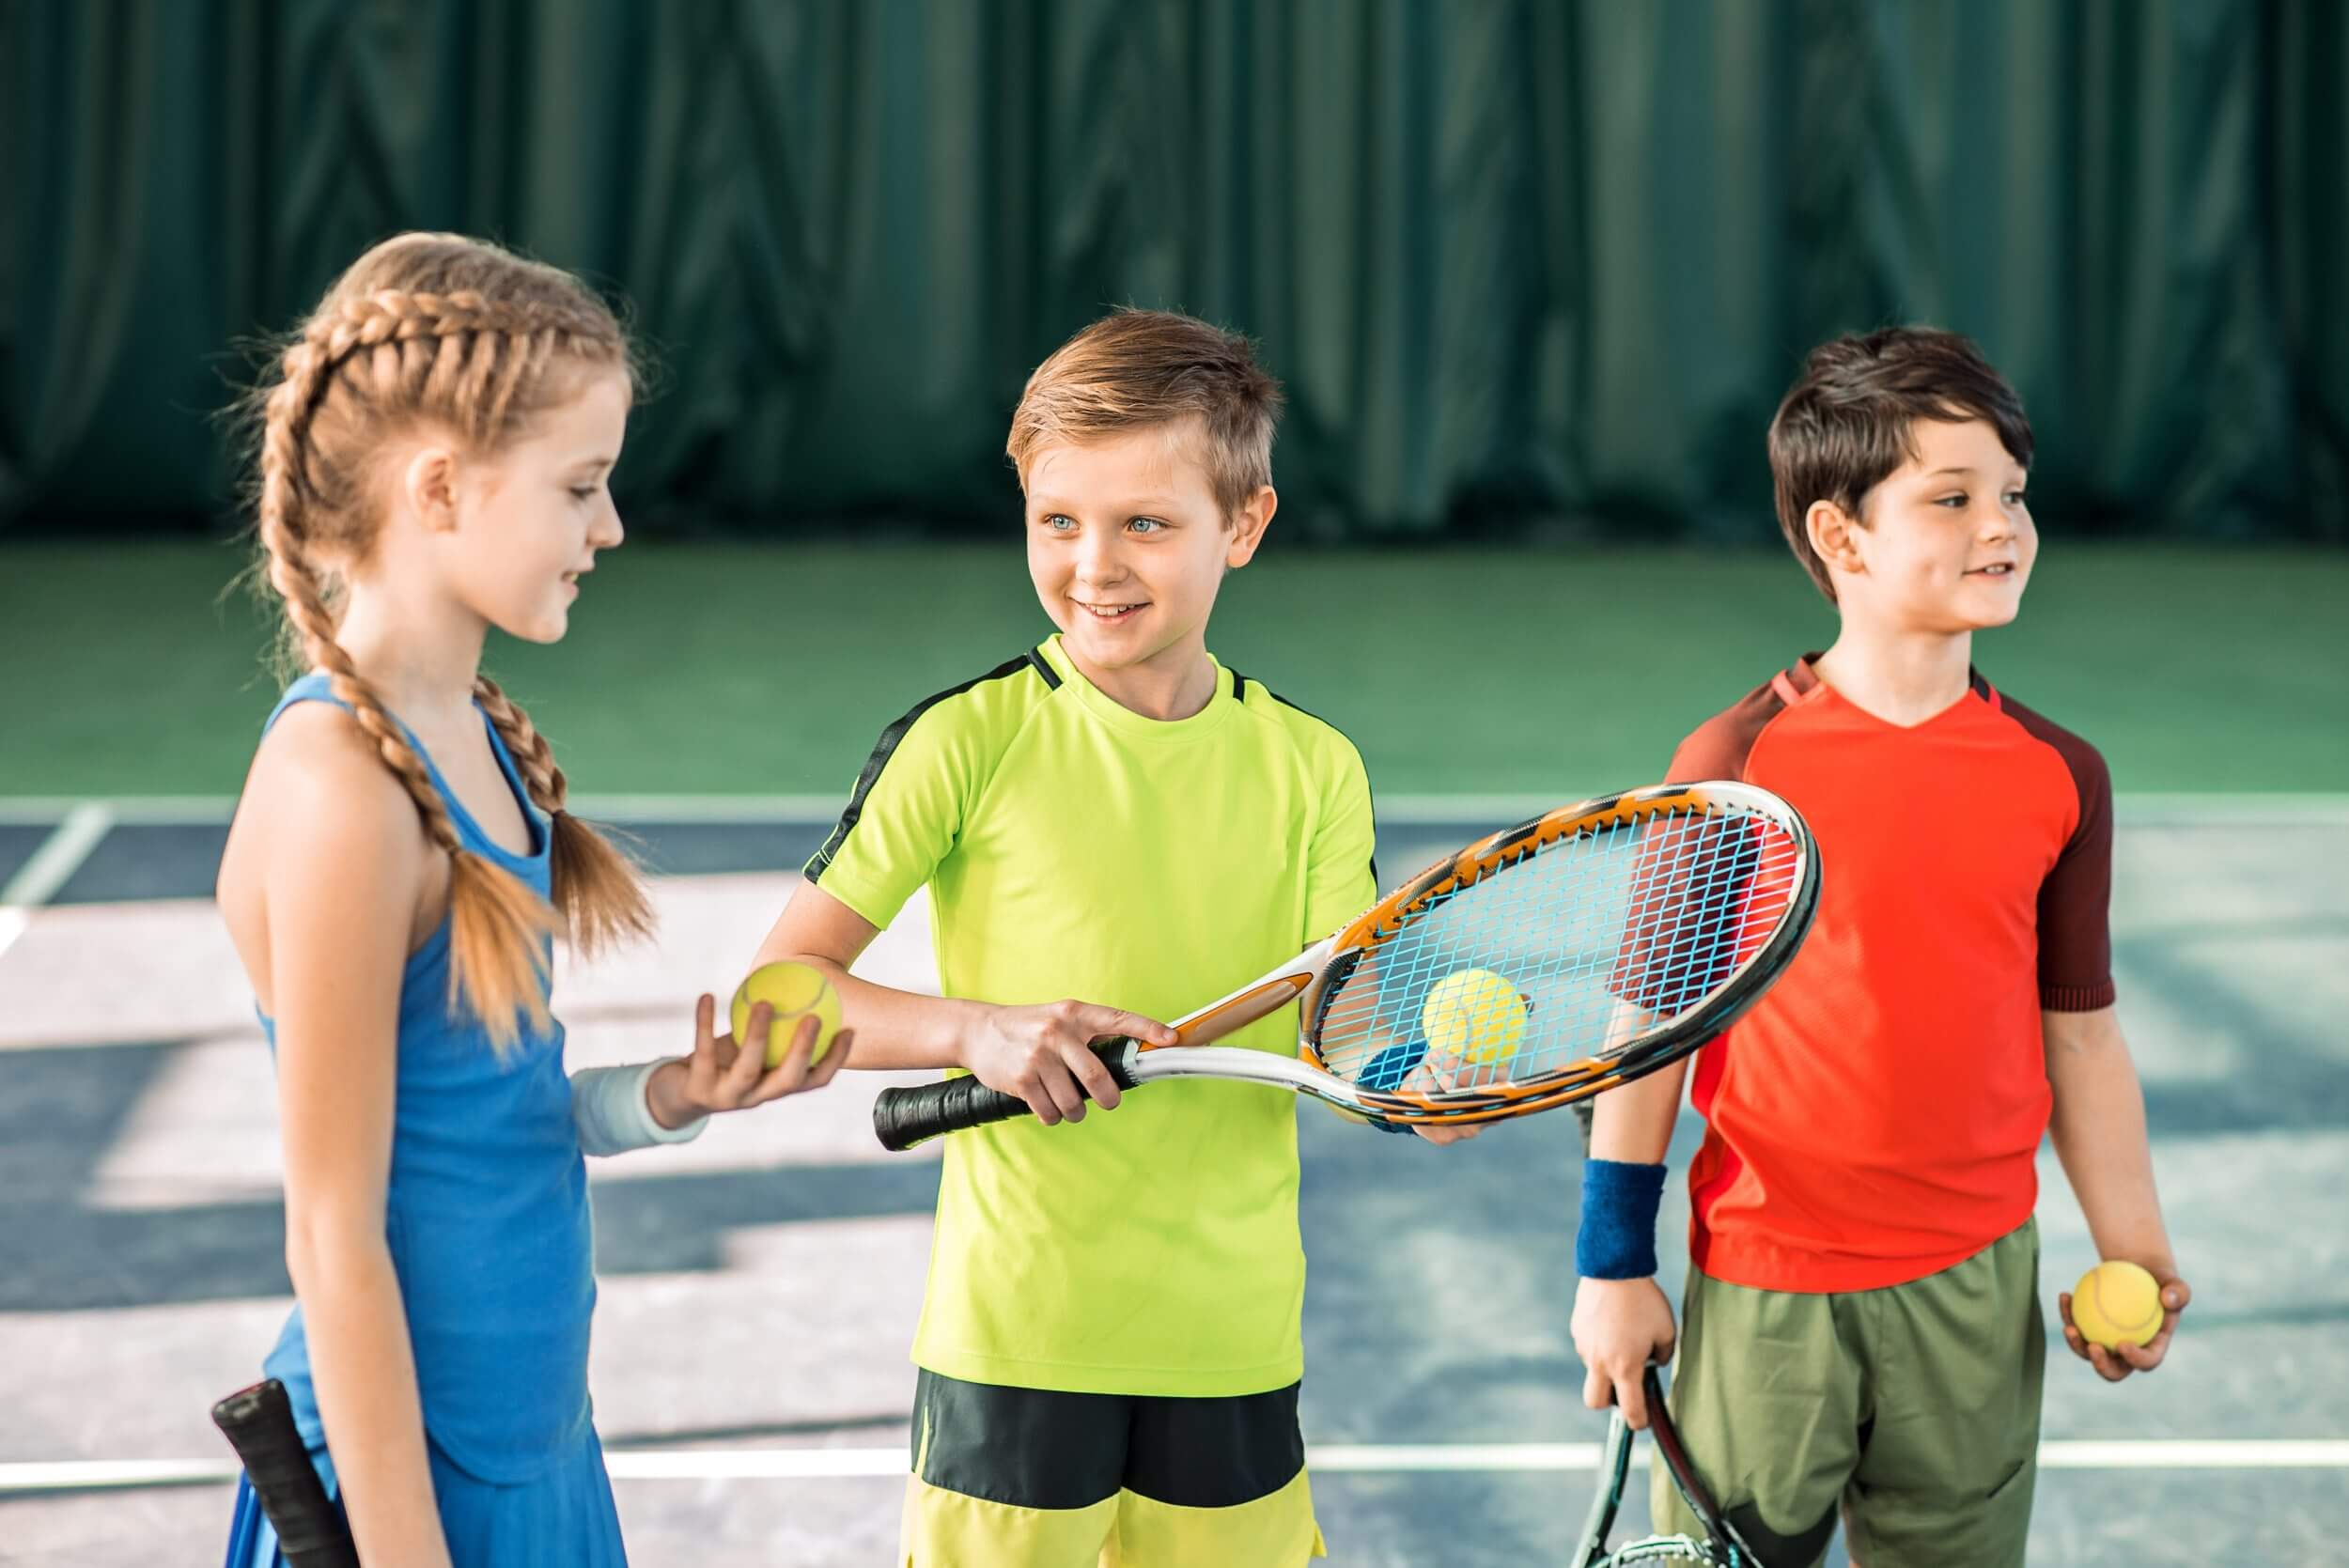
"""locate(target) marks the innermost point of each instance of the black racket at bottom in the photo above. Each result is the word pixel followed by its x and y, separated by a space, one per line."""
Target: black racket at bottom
pixel 258 1423
pixel 1718 1542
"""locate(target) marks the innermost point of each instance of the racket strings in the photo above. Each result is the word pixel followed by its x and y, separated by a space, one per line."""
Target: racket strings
pixel 1667 911
pixel 1680 927
pixel 1588 943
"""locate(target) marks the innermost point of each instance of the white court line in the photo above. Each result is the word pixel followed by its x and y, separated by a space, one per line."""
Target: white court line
pixel 795 810
pixel 1468 811
pixel 2249 1453
pixel 1335 1459
pixel 59 856
pixel 213 811
pixel 19 811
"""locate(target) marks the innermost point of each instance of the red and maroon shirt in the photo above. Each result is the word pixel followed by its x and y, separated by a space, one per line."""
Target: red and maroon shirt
pixel 1876 1116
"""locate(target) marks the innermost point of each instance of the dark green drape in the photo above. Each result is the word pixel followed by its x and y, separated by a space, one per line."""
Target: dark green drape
pixel 1521 262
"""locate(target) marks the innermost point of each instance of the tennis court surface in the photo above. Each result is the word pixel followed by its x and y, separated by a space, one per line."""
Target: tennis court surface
pixel 759 1287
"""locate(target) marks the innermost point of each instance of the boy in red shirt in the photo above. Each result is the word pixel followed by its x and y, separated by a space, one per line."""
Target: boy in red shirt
pixel 1862 1322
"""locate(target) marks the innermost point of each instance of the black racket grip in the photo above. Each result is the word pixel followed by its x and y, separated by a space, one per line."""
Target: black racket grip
pixel 904 1117
pixel 258 1423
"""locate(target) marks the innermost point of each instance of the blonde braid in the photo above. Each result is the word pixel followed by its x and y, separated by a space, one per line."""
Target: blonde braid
pixel 284 490
pixel 498 927
pixel 597 889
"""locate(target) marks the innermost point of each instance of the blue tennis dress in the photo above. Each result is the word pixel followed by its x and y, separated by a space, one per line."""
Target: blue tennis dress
pixel 486 1213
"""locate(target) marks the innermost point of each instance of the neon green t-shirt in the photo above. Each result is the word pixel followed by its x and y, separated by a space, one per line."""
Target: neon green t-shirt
pixel 1075 848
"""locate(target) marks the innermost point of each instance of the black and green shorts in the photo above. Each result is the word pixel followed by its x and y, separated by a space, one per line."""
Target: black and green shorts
pixel 1047 1479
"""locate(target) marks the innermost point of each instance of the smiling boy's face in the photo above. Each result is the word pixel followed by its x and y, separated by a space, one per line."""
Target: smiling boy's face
pixel 1127 547
pixel 1946 542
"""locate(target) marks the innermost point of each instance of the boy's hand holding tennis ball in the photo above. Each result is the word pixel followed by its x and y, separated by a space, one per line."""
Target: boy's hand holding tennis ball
pixel 2119 1318
pixel 786 1039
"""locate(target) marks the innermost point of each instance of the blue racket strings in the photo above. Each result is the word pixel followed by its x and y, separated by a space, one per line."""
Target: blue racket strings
pixel 1586 944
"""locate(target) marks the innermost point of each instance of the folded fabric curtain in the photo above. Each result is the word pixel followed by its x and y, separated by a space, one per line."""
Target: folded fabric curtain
pixel 1522 263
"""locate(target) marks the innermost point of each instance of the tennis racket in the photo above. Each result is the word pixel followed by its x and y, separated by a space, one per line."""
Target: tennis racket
pixel 1722 1546
pixel 258 1423
pixel 1539 966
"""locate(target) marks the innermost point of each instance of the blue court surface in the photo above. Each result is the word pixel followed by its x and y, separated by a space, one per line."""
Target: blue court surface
pixel 759 1287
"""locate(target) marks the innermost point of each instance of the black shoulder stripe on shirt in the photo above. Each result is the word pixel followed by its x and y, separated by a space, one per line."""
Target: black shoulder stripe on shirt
pixel 1317 718
pixel 1306 711
pixel 1036 662
pixel 887 746
pixel 1240 689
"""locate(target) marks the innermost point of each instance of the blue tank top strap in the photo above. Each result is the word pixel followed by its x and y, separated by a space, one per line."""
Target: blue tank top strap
pixel 318 686
pixel 313 687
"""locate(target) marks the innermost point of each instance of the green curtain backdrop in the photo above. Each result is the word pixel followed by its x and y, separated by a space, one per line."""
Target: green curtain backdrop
pixel 1524 264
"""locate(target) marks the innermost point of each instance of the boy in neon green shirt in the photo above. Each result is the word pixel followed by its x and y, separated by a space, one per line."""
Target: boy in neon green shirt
pixel 1109 1346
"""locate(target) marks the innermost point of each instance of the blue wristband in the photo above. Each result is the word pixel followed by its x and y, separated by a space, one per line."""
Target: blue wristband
pixel 1617 1238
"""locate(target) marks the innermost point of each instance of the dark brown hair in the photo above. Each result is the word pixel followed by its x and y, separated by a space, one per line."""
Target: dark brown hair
pixel 1142 367
pixel 1848 422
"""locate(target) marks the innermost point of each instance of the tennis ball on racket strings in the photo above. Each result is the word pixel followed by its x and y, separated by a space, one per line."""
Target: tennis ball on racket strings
pixel 2116 1304
pixel 794 990
pixel 1474 1015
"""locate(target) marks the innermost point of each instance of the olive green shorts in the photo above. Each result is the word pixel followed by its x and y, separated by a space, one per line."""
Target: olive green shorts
pixel 1915 1408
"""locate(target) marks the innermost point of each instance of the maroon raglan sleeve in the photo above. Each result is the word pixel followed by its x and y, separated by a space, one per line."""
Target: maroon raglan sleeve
pixel 1718 748
pixel 2076 900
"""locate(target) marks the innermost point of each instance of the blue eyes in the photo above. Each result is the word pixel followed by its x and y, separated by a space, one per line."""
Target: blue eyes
pixel 1957 502
pixel 1061 523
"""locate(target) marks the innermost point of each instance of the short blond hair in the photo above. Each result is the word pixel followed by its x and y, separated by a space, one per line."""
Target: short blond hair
pixel 1136 368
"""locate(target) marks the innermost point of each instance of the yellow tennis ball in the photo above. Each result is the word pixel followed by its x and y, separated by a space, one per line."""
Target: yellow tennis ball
pixel 1474 1015
pixel 793 991
pixel 2116 1304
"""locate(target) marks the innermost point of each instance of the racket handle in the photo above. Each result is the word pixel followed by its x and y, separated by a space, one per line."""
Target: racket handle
pixel 258 1423
pixel 904 1117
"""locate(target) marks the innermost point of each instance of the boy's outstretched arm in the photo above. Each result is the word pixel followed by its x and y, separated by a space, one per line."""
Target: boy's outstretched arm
pixel 2098 1129
pixel 1622 1320
pixel 1040 1053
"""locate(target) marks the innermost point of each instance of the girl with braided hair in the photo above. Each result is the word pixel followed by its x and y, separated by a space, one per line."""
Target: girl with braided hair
pixel 432 462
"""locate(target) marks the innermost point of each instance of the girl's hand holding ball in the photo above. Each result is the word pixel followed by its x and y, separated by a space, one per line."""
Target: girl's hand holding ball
pixel 786 1039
